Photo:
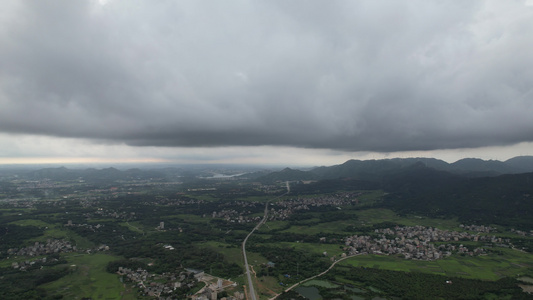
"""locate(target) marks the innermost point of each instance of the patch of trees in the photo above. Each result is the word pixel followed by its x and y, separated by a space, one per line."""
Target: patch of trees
pixel 505 200
pixel 291 265
pixel 183 255
pixel 24 285
pixel 525 244
pixel 416 285
pixel 109 234
pixel 336 216
pixel 12 236
pixel 290 295
pixel 225 225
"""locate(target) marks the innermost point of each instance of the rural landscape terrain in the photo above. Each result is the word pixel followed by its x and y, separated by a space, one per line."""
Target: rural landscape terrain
pixel 414 228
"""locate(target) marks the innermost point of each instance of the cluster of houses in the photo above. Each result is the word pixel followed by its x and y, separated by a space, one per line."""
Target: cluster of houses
pixel 234 216
pixel 174 201
pixel 240 215
pixel 417 242
pixel 50 247
pixel 101 212
pixel 523 233
pixel 284 209
pixel 155 285
pixel 92 227
pixel 279 210
pixel 19 203
pixel 164 286
pixel 27 264
pixel 39 184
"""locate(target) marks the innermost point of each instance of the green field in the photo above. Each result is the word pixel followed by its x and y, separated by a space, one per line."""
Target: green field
pixel 273 225
pixel 487 267
pixel 231 254
pixel 380 215
pixel 31 222
pixel 330 227
pixel 135 227
pixel 89 279
pixel 315 248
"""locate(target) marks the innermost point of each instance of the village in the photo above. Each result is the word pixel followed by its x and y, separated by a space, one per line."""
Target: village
pixel 50 247
pixel 423 243
pixel 164 286
pixel 282 210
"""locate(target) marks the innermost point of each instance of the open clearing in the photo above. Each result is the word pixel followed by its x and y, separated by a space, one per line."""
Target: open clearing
pixel 89 279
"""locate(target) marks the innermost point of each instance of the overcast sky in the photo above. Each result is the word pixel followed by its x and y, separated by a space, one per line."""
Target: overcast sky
pixel 296 82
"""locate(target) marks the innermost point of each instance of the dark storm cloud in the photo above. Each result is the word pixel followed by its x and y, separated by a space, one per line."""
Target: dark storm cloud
pixel 351 75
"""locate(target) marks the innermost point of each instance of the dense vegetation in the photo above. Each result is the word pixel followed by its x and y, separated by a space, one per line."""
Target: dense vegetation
pixel 123 210
pixel 24 285
pixel 414 285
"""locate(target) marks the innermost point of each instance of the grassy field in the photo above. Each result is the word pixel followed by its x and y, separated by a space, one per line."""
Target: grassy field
pixel 370 197
pixel 89 279
pixel 189 218
pixel 316 248
pixel 267 287
pixel 362 217
pixel 232 254
pixel 31 222
pixel 487 267
pixel 135 227
pixel 272 225
pixel 380 215
pixel 315 228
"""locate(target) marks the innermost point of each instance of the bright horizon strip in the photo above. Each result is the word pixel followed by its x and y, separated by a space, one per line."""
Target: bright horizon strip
pixel 252 155
pixel 74 160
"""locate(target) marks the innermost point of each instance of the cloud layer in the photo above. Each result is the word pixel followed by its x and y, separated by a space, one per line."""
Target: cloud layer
pixel 347 75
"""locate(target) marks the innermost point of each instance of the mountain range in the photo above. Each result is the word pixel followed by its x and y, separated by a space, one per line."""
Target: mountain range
pixel 376 169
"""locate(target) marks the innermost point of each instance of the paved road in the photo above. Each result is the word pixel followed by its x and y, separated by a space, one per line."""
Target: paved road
pixel 251 291
pixel 318 275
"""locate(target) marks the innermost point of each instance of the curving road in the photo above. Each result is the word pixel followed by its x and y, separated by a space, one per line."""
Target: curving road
pixel 317 275
pixel 251 291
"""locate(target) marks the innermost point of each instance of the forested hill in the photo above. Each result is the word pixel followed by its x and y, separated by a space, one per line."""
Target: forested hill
pixel 505 199
pixel 422 190
pixel 378 169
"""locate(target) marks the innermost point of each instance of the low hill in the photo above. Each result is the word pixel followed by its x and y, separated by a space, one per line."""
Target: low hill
pixel 288 174
pixel 505 199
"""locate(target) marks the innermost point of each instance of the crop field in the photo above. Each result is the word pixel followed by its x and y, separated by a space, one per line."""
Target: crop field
pixel 89 279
